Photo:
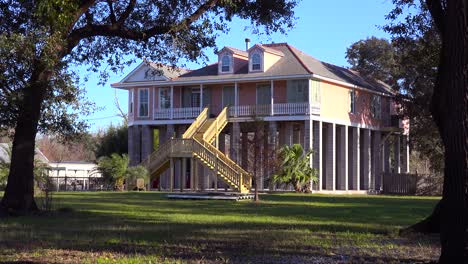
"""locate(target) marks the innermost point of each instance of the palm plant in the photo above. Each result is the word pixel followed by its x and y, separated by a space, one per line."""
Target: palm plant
pixel 295 167
pixel 113 169
pixel 134 173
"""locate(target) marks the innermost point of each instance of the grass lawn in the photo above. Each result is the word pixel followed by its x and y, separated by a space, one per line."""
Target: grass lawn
pixel 107 227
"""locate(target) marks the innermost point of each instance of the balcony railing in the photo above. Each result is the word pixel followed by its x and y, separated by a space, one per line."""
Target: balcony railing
pixel 284 109
pixel 177 113
pixel 275 110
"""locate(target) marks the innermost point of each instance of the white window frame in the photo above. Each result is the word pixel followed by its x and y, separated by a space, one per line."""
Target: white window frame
pixel 376 107
pixel 139 102
pixel 352 101
pixel 256 92
pixel 131 101
pixel 160 97
pixel 195 90
pixel 251 64
pixel 231 62
pixel 222 94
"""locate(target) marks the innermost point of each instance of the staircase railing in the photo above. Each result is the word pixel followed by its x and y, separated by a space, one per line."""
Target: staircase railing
pixel 216 126
pixel 229 169
pixel 234 174
pixel 196 124
pixel 158 156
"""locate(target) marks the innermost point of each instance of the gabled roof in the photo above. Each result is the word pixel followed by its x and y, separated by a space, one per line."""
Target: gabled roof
pixel 151 71
pixel 293 63
pixel 243 53
pixel 267 49
pixel 5 155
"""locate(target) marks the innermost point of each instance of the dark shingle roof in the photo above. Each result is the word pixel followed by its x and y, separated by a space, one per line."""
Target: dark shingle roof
pixel 339 73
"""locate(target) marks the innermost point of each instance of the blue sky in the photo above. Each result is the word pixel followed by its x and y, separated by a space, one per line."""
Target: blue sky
pixel 324 29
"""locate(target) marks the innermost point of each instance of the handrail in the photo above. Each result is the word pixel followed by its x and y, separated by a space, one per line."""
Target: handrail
pixel 196 124
pixel 158 155
pixel 203 150
pixel 225 158
pixel 216 126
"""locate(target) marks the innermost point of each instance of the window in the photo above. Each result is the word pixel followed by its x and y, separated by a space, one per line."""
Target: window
pixel 143 102
pixel 352 101
pixel 130 98
pixel 297 91
pixel 376 107
pixel 164 98
pixel 263 94
pixel 228 96
pixel 195 98
pixel 256 62
pixel 226 63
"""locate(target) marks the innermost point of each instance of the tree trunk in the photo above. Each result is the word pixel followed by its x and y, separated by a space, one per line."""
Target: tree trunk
pixel 450 111
pixel 19 192
pixel 429 225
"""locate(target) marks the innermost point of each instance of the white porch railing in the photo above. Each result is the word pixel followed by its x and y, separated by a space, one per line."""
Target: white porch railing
pixel 277 110
pixel 177 113
pixel 283 109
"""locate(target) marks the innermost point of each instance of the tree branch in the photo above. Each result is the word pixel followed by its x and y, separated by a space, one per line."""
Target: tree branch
pixel 119 30
pixel 111 10
pixel 127 12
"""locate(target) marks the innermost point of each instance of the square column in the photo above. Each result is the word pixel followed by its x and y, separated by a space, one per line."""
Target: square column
pixel 365 159
pixel 288 133
pixel 376 178
pixel 235 141
pixel 319 153
pixel 245 151
pixel 405 155
pixel 386 156
pixel 353 158
pixel 146 141
pixel 134 150
pixel 329 162
pixel 222 142
pixel 340 158
pixel 396 153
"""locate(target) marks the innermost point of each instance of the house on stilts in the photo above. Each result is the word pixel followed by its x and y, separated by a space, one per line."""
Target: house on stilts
pixel 268 95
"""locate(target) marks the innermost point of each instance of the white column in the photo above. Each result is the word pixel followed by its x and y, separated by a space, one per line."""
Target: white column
pixel 358 158
pixel 346 157
pixel 334 156
pixel 406 169
pixel 320 155
pixel 236 99
pixel 272 87
pixel 172 101
pixel 201 96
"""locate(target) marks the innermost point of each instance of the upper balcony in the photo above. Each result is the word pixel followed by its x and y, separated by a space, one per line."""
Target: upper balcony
pixel 242 111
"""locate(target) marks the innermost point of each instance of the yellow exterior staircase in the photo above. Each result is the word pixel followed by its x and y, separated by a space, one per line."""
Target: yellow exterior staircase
pixel 196 142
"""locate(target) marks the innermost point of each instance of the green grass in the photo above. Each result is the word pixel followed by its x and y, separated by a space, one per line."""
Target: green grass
pixel 283 228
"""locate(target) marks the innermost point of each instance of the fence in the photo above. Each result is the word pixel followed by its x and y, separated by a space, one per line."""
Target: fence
pixel 412 184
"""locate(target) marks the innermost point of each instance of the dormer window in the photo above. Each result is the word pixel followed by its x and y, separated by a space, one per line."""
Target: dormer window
pixel 226 63
pixel 256 62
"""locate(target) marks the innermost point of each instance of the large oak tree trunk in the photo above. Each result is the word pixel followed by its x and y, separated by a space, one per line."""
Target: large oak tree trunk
pixel 450 111
pixel 19 192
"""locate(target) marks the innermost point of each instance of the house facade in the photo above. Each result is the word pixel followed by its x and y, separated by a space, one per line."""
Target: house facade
pixel 255 101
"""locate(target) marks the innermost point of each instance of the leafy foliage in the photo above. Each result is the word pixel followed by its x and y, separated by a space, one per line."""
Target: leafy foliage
pixel 113 169
pixel 409 64
pixel 295 167
pixel 113 140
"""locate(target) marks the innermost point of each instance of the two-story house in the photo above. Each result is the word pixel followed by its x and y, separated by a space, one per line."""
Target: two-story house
pixel 206 119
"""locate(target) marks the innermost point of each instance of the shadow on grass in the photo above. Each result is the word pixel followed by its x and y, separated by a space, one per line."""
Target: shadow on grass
pixel 148 224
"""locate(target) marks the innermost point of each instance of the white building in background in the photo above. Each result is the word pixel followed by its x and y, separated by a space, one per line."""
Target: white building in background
pixel 75 175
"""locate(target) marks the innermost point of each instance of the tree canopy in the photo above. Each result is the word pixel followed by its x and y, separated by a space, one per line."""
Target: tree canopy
pixel 42 39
